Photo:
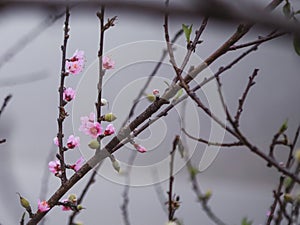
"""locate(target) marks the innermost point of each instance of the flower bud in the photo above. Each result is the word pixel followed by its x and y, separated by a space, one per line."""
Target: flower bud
pixel 208 194
pixel 288 197
pixel 297 155
pixel 171 223
pixel 80 207
pixel 78 223
pixel 116 165
pixel 94 144
pixel 151 98
pixel 284 126
pixel 25 203
pixel 72 198
pixel 103 102
pixel 287 182
pixel 109 117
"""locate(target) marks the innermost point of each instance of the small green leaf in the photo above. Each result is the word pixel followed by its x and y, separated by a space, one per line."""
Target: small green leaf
pixel 284 126
pixel 245 221
pixel 178 94
pixel 297 12
pixel 288 182
pixel 193 172
pixel 296 43
pixel 287 9
pixel 187 31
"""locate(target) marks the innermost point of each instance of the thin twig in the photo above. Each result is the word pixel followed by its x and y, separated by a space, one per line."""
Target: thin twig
pixel 5 102
pixel 238 143
pixel 62 113
pixel 243 98
pixel 193 45
pixel 84 192
pixel 200 196
pixel 259 40
pixel 171 207
pixel 276 194
pixel 100 15
pixel 124 206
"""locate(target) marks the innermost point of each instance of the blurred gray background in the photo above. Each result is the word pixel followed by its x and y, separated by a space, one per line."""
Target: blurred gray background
pixel 240 181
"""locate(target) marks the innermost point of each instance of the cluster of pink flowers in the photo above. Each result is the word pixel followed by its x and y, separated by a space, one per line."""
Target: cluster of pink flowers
pixel 75 64
pixel 91 127
pixel 55 167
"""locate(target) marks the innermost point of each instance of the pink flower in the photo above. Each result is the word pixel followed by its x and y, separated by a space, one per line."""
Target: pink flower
pixel 43 206
pixel 54 167
pixel 86 119
pixel 140 148
pixel 89 126
pixel 73 142
pixel 108 63
pixel 65 208
pixel 109 130
pixel 69 94
pixel 55 140
pixel 78 164
pixel 75 64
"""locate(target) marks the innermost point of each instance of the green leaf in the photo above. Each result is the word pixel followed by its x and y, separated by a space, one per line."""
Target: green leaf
pixel 245 221
pixel 178 94
pixel 287 9
pixel 187 31
pixel 296 43
pixel 284 126
pixel 297 12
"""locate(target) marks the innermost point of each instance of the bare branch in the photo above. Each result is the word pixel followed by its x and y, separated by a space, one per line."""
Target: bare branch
pixel 243 98
pixel 238 143
pixel 62 113
pixel 5 102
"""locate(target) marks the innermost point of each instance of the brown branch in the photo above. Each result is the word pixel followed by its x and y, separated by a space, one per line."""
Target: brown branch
pixel 258 41
pixel 62 113
pixel 171 207
pixel 243 98
pixel 276 195
pixel 238 143
pixel 192 46
pixel 84 192
pixel 200 196
pixel 100 15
